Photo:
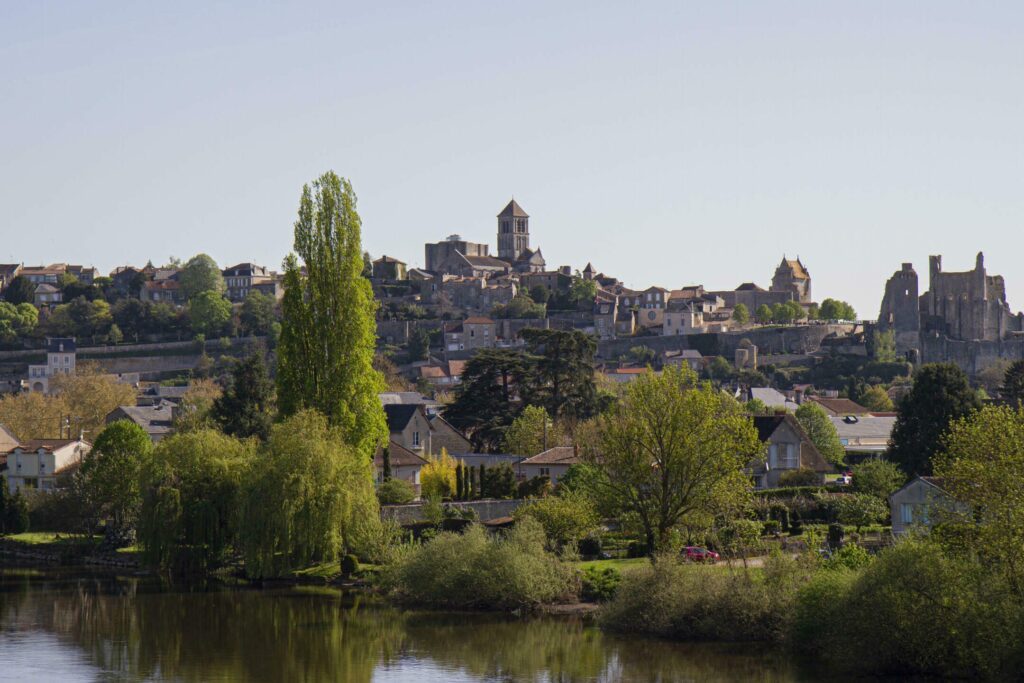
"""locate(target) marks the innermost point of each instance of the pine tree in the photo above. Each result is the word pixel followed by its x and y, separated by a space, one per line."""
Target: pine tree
pixel 386 457
pixel 243 410
pixel 459 482
pixel 483 480
pixel 328 331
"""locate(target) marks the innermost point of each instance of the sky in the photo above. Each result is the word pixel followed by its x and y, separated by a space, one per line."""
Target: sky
pixel 668 143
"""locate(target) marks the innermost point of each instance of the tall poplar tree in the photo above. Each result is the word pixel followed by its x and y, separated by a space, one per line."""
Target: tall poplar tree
pixel 328 331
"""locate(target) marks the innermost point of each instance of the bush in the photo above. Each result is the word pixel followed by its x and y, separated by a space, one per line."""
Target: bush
pixel 771 527
pixel 396 492
pixel 801 477
pixel 590 546
pixel 474 570
pixel 599 585
pixel 565 519
pixel 349 565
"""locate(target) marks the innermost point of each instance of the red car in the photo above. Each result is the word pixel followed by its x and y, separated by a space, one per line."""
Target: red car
pixel 694 553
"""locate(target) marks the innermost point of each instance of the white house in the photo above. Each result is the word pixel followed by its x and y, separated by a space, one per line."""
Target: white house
pixel 552 463
pixel 39 463
pixel 60 360
pixel 920 504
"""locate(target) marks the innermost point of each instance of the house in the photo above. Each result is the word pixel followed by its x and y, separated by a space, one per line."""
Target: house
pixel 555 281
pixel 864 435
pixel 438 253
pixel 84 275
pixel 690 358
pixel 471 333
pixel 60 360
pixel 444 435
pixel 409 426
pixel 839 406
pixel 156 420
pixel 788 449
pixel 404 464
pixel 624 375
pixel 389 268
pixel 47 295
pixel 243 278
pixel 39 464
pixel 7 440
pixel 8 271
pixel 606 315
pixel 165 290
pixel 552 463
pixel 128 280
pixel 39 275
pixel 772 398
pixel 447 374
pixel 409 398
pixel 920 504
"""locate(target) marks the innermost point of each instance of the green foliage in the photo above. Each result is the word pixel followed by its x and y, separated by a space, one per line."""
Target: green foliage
pixel 831 309
pixel 940 395
pixel 438 478
pixel 861 510
pixel 112 469
pixel 475 570
pixel 582 292
pixel 244 408
pixel 209 313
pixel 486 401
pixel 540 294
pixel 876 399
pixel 310 498
pixel 79 318
pixel 20 290
pixel 756 406
pixel 883 346
pixel 191 490
pixel 763 314
pixel 1013 383
pixel 599 585
pixel 14 511
pixel 850 556
pixel 741 314
pixel 200 274
pixel 521 306
pixel 566 518
pixel 328 330
pixel 499 482
pixel 799 477
pixel 257 316
pixel 526 435
pixel 17 320
pixel 672 449
pixel 720 369
pixel 419 344
pixel 349 565
pixel 396 492
pixel 562 373
pixel 878 478
pixel 821 431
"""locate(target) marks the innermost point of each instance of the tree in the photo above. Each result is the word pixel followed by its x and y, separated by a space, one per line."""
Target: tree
pixel 499 482
pixel 209 313
pixel 821 431
pixel 200 274
pixel 740 314
pixel 396 492
pixel 33 415
pixel 860 510
pixel 419 344
pixel 1013 383
pixel 567 518
pixel 782 314
pixel 191 494
pixel 244 408
pixel 883 346
pixel 257 316
pixel 876 398
pixel 115 336
pixel 17 320
pixel 20 290
pixel 310 500
pixel 879 478
pixel 520 307
pixel 671 449
pixel 196 410
pixel 720 369
pixel 981 466
pixel 437 477
pixel 763 314
pixel 16 516
pixel 831 309
pixel 486 402
pixel 581 291
pixel 563 372
pixel 940 395
pixel 110 474
pixel 540 294
pixel 328 331
pixel 529 432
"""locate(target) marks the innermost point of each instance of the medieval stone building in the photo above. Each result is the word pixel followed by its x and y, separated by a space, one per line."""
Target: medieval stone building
pixel 792 276
pixel 901 312
pixel 513 232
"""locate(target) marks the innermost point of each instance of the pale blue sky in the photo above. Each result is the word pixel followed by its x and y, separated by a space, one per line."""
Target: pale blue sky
pixel 669 143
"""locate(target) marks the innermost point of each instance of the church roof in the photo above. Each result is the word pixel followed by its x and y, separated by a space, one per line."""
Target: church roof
pixel 797 267
pixel 514 210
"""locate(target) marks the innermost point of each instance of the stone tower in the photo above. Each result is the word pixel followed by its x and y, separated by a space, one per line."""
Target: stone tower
pixel 513 232
pixel 901 313
pixel 792 276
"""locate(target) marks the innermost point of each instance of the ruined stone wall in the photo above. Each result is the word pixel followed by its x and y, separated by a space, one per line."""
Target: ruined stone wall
pixel 797 339
pixel 900 312
pixel 971 356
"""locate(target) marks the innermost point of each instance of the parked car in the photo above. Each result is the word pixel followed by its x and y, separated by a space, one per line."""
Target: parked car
pixel 694 553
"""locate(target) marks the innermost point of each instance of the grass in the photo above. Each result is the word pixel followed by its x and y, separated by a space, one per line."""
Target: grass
pixel 40 538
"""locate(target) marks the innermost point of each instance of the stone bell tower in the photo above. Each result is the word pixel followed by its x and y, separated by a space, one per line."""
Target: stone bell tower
pixel 513 232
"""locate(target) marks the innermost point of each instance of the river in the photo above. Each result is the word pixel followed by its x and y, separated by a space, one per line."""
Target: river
pixel 69 626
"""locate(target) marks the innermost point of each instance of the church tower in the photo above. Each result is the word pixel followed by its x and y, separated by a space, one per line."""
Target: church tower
pixel 513 232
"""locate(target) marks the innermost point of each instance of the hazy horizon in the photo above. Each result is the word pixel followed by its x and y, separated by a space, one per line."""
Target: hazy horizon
pixel 668 144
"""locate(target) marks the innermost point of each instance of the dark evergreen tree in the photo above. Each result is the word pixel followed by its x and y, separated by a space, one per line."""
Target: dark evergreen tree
pixel 459 482
pixel 20 291
pixel 386 457
pixel 563 373
pixel 488 399
pixel 16 518
pixel 243 410
pixel 941 394
pixel 482 478
pixel 1013 383
pixel 419 344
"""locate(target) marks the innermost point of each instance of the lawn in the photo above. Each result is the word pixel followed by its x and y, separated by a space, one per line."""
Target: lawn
pixel 49 538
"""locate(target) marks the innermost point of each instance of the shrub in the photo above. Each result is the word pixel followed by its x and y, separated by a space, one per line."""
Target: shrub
pixel 599 585
pixel 474 570
pixel 590 546
pixel 396 492
pixel 801 477
pixel 565 519
pixel 771 527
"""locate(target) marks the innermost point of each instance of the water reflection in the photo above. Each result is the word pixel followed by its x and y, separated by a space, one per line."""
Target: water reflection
pixel 121 629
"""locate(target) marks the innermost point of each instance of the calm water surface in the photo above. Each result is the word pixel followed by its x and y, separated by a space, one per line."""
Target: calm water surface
pixel 57 626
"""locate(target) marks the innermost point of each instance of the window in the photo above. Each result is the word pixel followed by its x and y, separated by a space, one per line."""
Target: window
pixel 906 513
pixel 545 471
pixel 773 456
pixel 415 438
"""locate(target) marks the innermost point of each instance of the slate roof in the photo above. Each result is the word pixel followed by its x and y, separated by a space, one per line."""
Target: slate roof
pixel 156 420
pixel 839 406
pixel 512 209
pixel 749 287
pixel 870 427
pixel 399 415
pixel 485 261
pixel 772 398
pixel 399 455
pixel 405 398
pixel 60 345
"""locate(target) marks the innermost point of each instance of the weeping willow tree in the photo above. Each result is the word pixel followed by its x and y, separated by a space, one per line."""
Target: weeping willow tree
pixel 310 499
pixel 191 489
pixel 328 330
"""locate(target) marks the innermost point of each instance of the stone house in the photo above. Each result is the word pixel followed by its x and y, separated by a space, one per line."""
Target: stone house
pixel 605 312
pixel 389 268
pixel 166 290
pixel 792 276
pixel 556 281
pixel 243 278
pixel 920 504
pixel 471 333
pixel 40 463
pixel 47 295
pixel 409 426
pixel 436 255
pixel 552 463
pixel 474 294
pixel 84 275
pixel 156 420
pixel 690 358
pixel 682 316
pixel 788 448
pixel 404 463
pixel 61 356
pixel 443 435
pixel 39 275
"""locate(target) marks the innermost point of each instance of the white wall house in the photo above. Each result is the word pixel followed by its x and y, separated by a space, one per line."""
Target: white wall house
pixel 60 360
pixel 38 464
